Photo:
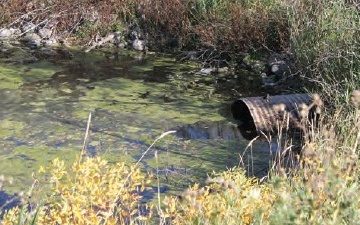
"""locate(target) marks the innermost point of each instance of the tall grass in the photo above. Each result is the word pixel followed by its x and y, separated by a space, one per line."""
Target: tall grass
pixel 323 189
pixel 325 39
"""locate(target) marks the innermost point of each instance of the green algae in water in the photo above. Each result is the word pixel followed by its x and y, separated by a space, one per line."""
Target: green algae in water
pixel 13 76
pixel 26 160
pixel 10 128
pixel 125 96
pixel 9 78
pixel 129 111
pixel 38 71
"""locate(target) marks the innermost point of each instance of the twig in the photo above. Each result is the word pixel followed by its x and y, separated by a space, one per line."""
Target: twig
pixel 358 132
pixel 33 28
pixel 85 137
pixel 111 210
pixel 158 185
pixel 29 13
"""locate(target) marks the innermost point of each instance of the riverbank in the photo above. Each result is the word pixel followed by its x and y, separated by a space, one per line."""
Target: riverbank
pixel 249 35
pixel 278 40
pixel 320 39
pixel 164 24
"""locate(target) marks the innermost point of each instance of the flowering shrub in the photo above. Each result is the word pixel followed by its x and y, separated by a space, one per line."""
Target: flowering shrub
pixel 91 192
pixel 230 198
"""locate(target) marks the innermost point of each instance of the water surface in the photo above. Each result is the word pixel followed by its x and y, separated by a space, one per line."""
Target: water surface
pixel 133 99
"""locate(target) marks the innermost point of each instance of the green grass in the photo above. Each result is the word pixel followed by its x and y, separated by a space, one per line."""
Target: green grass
pixel 325 40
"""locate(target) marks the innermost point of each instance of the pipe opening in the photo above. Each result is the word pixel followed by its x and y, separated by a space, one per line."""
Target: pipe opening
pixel 259 115
pixel 241 112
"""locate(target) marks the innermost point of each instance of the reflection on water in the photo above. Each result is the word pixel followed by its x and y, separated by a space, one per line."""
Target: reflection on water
pixel 203 130
pixel 8 201
pixel 45 106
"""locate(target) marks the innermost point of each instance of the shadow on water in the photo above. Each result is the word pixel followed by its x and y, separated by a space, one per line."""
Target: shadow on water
pixel 204 130
pixel 7 202
pixel 133 101
pixel 85 73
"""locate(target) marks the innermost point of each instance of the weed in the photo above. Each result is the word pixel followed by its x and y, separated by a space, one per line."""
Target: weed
pixel 324 39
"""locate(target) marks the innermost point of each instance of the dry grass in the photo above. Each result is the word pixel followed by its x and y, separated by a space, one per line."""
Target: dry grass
pixel 227 25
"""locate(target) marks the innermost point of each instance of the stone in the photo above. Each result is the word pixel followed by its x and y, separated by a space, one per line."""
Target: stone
pixel 280 69
pixel 121 44
pixel 279 65
pixel 32 40
pixel 7 33
pixel 224 69
pixel 45 32
pixel 5 46
pixel 50 42
pixel 139 45
pixel 206 71
pixel 118 40
pixel 47 52
pixel 210 70
pixel 29 26
pixel 268 81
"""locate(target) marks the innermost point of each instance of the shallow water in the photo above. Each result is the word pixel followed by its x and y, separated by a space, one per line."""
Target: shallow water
pixel 133 99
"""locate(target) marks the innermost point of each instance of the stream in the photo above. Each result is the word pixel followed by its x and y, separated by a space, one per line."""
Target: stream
pixel 133 99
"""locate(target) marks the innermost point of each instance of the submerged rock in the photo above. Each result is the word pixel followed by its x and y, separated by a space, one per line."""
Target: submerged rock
pixel 54 53
pixel 139 45
pixel 17 55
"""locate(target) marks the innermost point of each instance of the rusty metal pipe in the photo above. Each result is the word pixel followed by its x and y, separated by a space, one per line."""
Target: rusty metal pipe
pixel 262 114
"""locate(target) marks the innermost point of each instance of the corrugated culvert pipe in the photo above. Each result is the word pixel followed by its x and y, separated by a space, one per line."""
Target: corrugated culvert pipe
pixel 265 114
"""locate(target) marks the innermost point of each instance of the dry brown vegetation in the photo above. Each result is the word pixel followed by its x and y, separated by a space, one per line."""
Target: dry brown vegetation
pixel 227 25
